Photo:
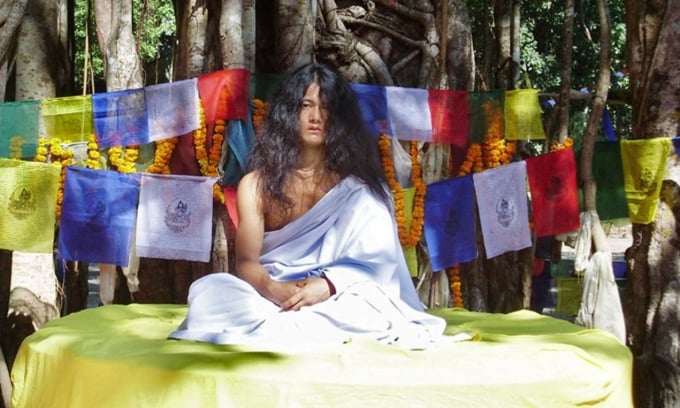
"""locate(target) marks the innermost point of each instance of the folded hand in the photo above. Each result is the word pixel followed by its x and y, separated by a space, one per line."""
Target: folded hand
pixel 310 291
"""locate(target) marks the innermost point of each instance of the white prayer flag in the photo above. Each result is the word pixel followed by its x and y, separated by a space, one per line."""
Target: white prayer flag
pixel 501 195
pixel 172 108
pixel 409 113
pixel 174 219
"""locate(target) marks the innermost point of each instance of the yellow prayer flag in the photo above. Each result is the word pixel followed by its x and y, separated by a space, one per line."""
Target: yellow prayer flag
pixel 523 115
pixel 68 118
pixel 644 164
pixel 28 196
pixel 410 253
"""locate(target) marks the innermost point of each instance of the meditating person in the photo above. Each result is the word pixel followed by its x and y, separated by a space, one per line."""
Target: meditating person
pixel 318 259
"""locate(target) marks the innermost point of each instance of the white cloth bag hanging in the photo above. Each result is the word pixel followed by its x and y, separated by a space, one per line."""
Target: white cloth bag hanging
pixel 600 301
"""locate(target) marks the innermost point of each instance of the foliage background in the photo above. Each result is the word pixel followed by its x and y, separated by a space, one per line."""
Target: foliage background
pixel 154 25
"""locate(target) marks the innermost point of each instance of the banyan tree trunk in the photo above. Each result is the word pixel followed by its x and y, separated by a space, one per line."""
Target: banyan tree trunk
pixel 653 284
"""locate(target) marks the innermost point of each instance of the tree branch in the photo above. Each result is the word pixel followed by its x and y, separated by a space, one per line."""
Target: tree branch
pixel 565 81
pixel 589 186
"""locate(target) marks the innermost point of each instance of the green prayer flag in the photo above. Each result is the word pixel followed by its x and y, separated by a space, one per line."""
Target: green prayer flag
pixel 485 110
pixel 608 174
pixel 263 85
pixel 19 123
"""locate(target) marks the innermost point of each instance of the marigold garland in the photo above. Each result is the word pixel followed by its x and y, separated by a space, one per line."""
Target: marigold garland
pixel 493 152
pixel 51 151
pixel 208 161
pixel 455 286
pixel 15 145
pixel 487 155
pixel 410 237
pixel 199 139
pixel 473 160
pixel 162 155
pixel 124 161
pixel 556 145
pixel 259 113
pixel 42 151
pixel 93 155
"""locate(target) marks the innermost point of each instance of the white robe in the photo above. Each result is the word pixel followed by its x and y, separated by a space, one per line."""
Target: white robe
pixel 350 237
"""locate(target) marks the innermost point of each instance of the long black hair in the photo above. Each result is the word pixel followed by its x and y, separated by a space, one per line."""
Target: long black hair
pixel 349 149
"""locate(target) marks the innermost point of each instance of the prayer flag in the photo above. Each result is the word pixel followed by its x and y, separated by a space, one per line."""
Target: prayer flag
pixel 410 253
pixel 98 216
pixel 449 110
pixel 485 111
pixel 676 144
pixel 644 164
pixel 68 118
pixel 501 194
pixel 608 173
pixel 172 109
pixel 174 219
pixel 224 94
pixel 19 129
pixel 230 204
pixel 28 197
pixel 120 118
pixel 450 222
pixel 373 104
pixel 409 113
pixel 263 85
pixel 241 137
pixel 523 115
pixel 608 126
pixel 402 162
pixel 554 192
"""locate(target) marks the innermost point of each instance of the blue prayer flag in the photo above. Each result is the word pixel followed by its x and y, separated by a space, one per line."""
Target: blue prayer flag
pixel 450 222
pixel 608 126
pixel 98 215
pixel 120 118
pixel 373 105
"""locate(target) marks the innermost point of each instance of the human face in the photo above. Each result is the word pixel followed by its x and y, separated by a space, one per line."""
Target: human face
pixel 312 118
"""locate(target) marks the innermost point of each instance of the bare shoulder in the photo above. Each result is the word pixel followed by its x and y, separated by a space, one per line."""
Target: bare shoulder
pixel 249 180
pixel 248 194
pixel 251 221
pixel 248 186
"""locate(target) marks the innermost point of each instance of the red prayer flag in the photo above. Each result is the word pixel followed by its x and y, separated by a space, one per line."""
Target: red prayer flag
pixel 235 83
pixel 538 266
pixel 449 115
pixel 230 203
pixel 554 192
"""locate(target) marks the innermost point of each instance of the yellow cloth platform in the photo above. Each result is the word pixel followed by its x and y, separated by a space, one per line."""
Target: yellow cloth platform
pixel 117 356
